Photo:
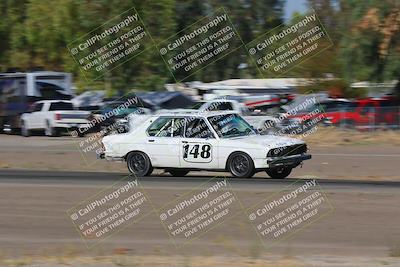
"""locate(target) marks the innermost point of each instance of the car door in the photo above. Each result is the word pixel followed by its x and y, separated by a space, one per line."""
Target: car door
pixel 199 145
pixel 42 114
pixel 163 141
pixel 368 115
pixel 34 116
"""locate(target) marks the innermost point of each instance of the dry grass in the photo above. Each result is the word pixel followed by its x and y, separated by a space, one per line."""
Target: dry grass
pixel 395 250
pixel 333 137
pixel 154 261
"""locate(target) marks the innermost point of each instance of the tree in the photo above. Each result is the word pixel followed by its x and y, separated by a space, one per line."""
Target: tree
pixel 370 47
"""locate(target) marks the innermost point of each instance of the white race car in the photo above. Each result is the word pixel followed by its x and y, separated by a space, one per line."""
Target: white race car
pixel 204 141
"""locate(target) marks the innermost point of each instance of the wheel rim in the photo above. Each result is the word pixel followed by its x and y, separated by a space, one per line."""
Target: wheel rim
pixel 240 165
pixel 279 170
pixel 137 163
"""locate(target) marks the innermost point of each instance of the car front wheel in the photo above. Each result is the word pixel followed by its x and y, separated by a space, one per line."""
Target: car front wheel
pixel 24 130
pixel 139 164
pixel 241 165
pixel 279 173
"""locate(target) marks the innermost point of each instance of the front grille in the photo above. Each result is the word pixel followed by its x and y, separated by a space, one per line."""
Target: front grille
pixel 287 150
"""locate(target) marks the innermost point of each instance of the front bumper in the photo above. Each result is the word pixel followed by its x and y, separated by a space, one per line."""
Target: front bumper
pixel 287 161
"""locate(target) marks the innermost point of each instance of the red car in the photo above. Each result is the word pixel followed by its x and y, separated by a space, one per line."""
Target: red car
pixel 364 113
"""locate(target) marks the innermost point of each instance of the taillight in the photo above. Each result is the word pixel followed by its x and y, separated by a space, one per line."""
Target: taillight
pixel 58 116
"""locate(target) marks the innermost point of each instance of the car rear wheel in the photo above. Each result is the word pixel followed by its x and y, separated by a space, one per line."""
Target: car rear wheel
pixel 241 165
pixel 279 173
pixel 177 172
pixel 51 131
pixel 139 164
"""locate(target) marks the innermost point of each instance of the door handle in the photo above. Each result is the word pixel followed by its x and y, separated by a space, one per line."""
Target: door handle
pixel 150 140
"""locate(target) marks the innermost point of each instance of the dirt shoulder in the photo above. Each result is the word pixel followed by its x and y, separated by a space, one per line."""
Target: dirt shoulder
pixel 158 261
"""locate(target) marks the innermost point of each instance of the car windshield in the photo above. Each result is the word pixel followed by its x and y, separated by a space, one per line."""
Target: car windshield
pixel 197 105
pixel 230 125
pixel 119 110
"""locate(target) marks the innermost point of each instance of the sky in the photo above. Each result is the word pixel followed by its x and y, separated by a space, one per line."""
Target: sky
pixel 292 6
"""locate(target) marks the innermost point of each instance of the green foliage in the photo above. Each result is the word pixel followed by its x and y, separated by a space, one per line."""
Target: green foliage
pixel 36 33
pixel 370 44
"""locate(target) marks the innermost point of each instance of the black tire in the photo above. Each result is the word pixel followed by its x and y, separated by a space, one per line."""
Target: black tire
pixel 139 164
pixel 241 165
pixel 51 131
pixel 2 122
pixel 279 173
pixel 24 131
pixel 177 172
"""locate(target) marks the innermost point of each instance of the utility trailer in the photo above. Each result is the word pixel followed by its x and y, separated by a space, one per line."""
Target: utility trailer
pixel 19 90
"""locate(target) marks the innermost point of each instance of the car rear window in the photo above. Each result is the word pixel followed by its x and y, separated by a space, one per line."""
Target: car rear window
pixel 61 106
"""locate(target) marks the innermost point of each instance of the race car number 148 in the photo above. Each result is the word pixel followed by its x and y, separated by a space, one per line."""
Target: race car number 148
pixel 197 152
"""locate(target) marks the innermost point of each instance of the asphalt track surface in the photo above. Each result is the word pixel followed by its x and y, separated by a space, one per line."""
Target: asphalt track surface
pixel 33 204
pixel 18 176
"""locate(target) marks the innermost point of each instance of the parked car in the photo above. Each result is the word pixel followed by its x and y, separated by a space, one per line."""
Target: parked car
pixel 53 117
pixel 19 90
pixel 364 113
pixel 113 115
pixel 217 141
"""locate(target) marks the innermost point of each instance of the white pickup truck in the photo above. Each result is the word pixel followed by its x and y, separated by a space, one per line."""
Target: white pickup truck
pixel 263 123
pixel 53 116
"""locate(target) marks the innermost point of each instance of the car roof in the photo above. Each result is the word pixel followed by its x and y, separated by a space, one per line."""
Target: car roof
pixel 195 114
pixel 222 100
pixel 53 101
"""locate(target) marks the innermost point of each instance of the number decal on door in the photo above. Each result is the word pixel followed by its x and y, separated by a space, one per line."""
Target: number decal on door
pixel 197 152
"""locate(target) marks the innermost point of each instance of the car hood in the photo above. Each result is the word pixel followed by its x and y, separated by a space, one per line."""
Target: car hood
pixel 268 141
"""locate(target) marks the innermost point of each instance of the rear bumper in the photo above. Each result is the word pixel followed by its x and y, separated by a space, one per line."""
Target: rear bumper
pixel 69 125
pixel 287 161
pixel 109 158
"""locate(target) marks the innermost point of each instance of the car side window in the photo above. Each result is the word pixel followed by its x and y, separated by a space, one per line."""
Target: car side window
pixel 197 128
pixel 38 107
pixel 351 107
pixel 178 127
pixel 368 108
pixel 159 127
pixel 167 127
